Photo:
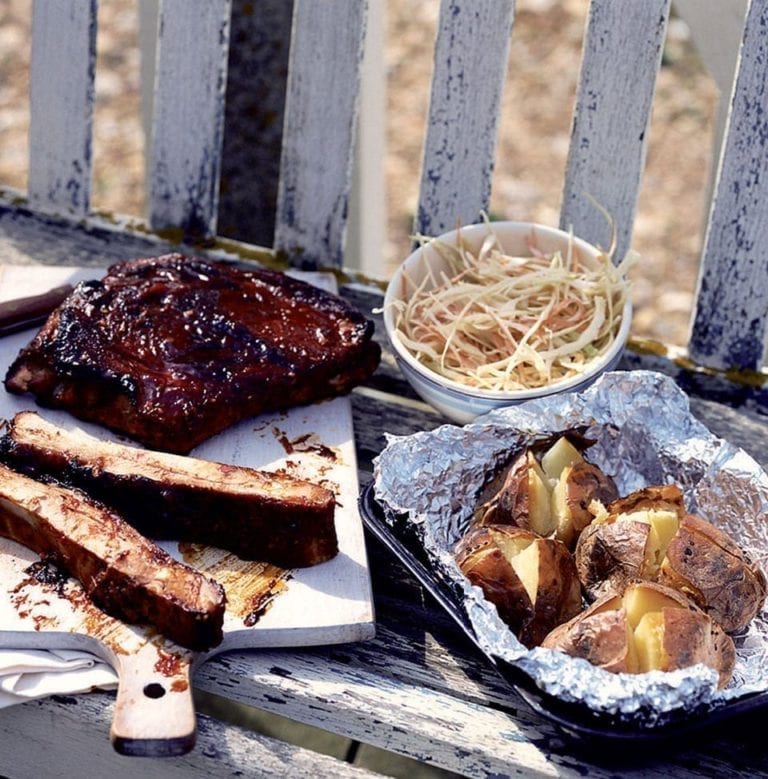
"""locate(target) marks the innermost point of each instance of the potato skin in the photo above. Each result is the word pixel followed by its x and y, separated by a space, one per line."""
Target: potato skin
pixel 510 505
pixel 558 592
pixel 602 635
pixel 598 635
pixel 691 637
pixel 585 483
pixel 513 501
pixel 609 553
pixel 700 561
pixel 485 565
pixel 707 565
pixel 609 556
pixel 663 496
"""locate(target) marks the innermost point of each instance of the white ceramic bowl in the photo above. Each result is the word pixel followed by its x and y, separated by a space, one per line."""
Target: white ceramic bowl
pixel 462 403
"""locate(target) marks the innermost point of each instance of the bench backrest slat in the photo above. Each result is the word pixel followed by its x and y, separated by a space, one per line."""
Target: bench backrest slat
pixel 61 104
pixel 471 53
pixel 319 129
pixel 731 311
pixel 622 53
pixel 188 115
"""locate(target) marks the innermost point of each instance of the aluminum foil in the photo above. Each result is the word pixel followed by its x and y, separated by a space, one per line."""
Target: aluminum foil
pixel 644 435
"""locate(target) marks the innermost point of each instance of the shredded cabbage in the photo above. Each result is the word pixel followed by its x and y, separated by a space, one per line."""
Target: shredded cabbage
pixel 500 322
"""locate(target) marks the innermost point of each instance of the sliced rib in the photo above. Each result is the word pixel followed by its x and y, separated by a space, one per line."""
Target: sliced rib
pixel 255 514
pixel 125 574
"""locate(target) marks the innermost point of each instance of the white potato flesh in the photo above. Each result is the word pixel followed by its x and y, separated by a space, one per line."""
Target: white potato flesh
pixel 539 509
pixel 560 509
pixel 663 526
pixel 560 455
pixel 649 642
pixel 639 600
pixel 526 565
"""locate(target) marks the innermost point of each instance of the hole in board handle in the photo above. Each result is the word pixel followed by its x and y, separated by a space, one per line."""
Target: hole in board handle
pixel 154 690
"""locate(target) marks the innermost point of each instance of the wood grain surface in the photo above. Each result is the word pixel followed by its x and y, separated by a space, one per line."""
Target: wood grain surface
pixel 622 53
pixel 465 100
pixel 188 116
pixel 61 104
pixel 731 312
pixel 319 131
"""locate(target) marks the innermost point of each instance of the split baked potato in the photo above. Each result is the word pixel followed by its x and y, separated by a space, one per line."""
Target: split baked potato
pixel 531 580
pixel 649 535
pixel 549 495
pixel 647 627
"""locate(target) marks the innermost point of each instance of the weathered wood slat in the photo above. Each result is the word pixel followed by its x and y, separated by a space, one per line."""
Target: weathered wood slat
pixel 318 131
pixel 731 313
pixel 188 115
pixel 27 237
pixel 69 736
pixel 470 65
pixel 622 53
pixel 409 719
pixel 61 104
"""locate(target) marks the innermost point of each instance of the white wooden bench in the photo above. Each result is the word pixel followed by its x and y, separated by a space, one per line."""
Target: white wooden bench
pixel 418 689
pixel 622 54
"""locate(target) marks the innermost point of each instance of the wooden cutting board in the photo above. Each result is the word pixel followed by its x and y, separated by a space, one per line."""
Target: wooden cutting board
pixel 328 603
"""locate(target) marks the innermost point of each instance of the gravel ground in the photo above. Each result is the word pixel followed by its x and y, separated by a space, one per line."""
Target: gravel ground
pixel 533 141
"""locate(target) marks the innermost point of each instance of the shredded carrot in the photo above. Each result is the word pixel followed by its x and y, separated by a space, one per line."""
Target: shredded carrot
pixel 500 322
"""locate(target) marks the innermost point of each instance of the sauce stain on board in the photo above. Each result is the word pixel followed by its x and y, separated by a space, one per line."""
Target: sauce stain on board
pixel 308 442
pixel 171 664
pixel 251 586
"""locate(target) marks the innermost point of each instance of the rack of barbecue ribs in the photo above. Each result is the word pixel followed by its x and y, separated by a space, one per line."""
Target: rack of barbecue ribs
pixel 171 350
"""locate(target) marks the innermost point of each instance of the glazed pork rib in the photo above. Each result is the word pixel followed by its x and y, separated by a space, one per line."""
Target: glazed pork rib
pixel 125 574
pixel 255 514
pixel 171 350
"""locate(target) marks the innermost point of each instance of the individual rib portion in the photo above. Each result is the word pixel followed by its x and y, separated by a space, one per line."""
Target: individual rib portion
pixel 255 514
pixel 124 573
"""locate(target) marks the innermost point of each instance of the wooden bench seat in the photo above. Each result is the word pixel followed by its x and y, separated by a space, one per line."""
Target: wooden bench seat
pixel 419 689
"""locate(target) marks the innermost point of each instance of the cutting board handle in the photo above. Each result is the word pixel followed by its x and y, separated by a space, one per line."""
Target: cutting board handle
pixel 154 711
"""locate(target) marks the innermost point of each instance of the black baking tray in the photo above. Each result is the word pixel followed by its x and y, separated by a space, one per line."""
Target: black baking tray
pixel 576 720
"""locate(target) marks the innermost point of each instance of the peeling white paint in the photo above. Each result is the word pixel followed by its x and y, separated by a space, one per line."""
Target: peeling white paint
pixel 471 55
pixel 61 105
pixel 730 319
pixel 188 115
pixel 622 54
pixel 319 130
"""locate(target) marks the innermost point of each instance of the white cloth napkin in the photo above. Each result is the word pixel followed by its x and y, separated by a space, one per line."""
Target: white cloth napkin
pixel 26 674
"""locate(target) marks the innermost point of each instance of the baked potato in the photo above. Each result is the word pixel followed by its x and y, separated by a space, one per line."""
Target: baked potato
pixel 648 627
pixel 550 496
pixel 531 580
pixel 706 564
pixel 627 541
pixel 522 500
pixel 649 535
